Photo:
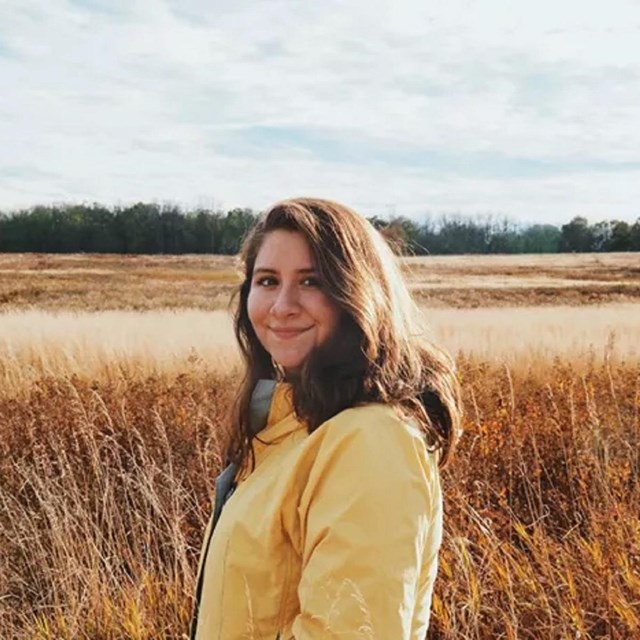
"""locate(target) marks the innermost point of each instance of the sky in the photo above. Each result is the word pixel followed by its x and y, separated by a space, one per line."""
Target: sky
pixel 529 110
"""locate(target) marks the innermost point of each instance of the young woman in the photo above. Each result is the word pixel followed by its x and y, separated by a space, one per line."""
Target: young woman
pixel 332 513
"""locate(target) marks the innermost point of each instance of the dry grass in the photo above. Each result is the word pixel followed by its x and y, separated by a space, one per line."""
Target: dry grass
pixel 529 337
pixel 100 282
pixel 525 280
pixel 543 527
pixel 108 345
pixel 111 427
pixel 105 489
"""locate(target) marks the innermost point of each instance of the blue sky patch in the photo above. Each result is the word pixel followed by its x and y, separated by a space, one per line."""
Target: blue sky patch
pixel 332 147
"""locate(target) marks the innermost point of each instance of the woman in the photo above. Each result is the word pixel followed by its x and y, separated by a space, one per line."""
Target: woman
pixel 332 512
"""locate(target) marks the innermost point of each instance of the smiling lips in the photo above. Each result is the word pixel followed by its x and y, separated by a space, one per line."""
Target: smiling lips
pixel 288 334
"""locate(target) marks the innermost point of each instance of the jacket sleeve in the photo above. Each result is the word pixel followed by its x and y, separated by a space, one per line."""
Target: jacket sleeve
pixel 371 521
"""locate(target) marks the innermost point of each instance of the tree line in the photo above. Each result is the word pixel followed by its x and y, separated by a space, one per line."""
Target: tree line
pixel 151 228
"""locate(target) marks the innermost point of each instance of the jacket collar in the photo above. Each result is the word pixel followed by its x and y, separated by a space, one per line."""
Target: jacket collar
pixel 272 412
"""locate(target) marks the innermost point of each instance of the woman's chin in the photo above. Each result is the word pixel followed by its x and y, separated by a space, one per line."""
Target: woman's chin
pixel 289 358
pixel 291 367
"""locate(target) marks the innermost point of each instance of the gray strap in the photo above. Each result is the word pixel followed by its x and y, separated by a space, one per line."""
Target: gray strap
pixel 225 485
pixel 224 488
pixel 260 404
pixel 258 414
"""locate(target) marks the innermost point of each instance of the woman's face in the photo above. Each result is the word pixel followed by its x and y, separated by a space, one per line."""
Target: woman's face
pixel 287 307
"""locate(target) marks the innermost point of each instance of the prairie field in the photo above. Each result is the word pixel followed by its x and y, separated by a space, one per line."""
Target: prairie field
pixel 116 376
pixel 98 282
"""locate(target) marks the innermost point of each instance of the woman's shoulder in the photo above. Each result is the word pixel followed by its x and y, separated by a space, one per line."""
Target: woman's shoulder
pixel 375 416
pixel 375 441
pixel 374 426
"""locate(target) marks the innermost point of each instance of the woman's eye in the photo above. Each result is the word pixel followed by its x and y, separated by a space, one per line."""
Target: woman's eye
pixel 266 281
pixel 311 282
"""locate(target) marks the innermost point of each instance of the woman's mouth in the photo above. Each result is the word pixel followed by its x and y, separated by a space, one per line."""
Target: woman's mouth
pixel 287 334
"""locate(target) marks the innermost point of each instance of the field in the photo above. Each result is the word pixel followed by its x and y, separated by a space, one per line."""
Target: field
pixel 90 282
pixel 116 374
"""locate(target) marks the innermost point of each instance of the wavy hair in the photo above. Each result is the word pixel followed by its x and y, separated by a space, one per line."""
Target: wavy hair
pixel 378 353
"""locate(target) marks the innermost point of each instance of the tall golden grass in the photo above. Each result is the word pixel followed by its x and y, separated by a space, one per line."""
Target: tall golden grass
pixel 104 490
pixel 104 345
pixel 112 423
pixel 106 485
pixel 107 345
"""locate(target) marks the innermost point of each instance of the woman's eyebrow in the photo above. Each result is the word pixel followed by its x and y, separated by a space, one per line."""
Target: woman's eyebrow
pixel 304 270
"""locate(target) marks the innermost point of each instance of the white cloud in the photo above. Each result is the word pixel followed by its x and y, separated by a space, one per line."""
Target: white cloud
pixel 447 106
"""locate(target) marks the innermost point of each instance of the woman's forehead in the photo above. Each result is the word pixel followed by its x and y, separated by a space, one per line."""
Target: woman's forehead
pixel 281 250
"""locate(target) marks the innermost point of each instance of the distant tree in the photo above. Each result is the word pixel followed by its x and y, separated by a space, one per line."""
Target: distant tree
pixel 634 234
pixel 173 237
pixel 541 238
pixel 154 228
pixel 98 230
pixel 503 237
pixel 427 237
pixel 204 229
pixel 612 235
pixel 16 233
pixel 42 231
pixel 621 236
pixel 235 226
pixel 458 235
pixel 601 235
pixel 576 236
pixel 140 229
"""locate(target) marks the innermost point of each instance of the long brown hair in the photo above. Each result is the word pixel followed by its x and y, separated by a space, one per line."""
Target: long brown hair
pixel 378 352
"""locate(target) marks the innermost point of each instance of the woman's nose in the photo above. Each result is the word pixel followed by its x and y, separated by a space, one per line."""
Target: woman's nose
pixel 286 302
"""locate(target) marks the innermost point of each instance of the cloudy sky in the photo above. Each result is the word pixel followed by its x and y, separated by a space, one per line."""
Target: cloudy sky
pixel 524 109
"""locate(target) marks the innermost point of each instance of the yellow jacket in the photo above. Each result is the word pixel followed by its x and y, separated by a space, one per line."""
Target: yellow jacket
pixel 335 534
